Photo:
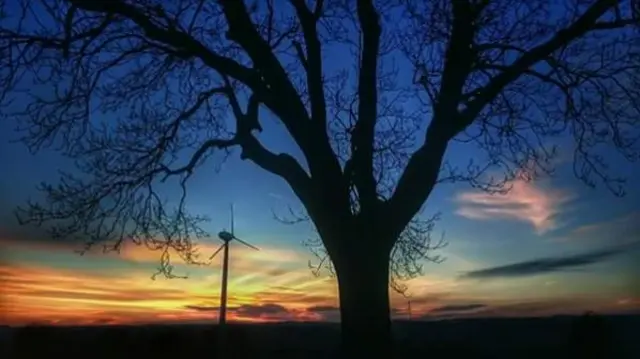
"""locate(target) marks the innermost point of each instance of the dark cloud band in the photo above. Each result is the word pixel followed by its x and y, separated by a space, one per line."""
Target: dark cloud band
pixel 549 264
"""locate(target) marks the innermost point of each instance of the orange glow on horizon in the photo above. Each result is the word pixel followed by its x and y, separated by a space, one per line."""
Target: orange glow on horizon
pixel 262 288
pixel 273 284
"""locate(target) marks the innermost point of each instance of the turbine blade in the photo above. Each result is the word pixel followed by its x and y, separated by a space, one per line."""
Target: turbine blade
pixel 217 251
pixel 231 206
pixel 246 244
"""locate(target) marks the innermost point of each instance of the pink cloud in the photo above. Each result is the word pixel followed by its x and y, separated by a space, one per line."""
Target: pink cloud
pixel 524 202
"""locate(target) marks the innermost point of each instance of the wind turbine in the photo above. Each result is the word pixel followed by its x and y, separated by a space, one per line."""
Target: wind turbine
pixel 226 237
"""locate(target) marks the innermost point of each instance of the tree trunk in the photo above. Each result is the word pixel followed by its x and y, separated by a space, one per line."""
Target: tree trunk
pixel 363 281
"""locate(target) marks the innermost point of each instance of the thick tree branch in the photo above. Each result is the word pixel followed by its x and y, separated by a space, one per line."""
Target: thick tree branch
pixel 418 180
pixel 243 32
pixel 285 101
pixel 282 165
pixel 362 139
pixel 458 62
pixel 421 174
pixel 313 63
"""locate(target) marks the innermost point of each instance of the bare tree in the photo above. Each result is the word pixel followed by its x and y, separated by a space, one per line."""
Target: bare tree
pixel 126 88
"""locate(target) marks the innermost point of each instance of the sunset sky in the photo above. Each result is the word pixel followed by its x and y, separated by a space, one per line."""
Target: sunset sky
pixel 553 246
pixel 589 234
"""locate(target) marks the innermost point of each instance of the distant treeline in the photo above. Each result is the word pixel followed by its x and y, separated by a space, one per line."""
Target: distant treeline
pixel 588 336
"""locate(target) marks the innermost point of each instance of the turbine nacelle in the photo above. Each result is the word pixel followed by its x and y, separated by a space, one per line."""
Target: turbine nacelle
pixel 225 236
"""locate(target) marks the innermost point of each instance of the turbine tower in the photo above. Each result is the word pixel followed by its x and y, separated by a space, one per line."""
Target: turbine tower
pixel 226 237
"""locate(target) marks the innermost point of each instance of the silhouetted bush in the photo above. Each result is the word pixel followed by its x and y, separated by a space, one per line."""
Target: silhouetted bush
pixel 590 337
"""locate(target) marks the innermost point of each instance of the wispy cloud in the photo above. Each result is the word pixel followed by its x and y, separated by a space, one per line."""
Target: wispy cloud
pixel 202 308
pixel 621 230
pixel 272 284
pixel 547 265
pixel 258 312
pixel 328 313
pixel 534 308
pixel 244 260
pixel 524 202
pixel 456 308
pixel 34 293
pixel 264 311
pixel 266 280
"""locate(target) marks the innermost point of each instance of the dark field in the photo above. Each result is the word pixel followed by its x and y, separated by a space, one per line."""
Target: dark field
pixel 554 337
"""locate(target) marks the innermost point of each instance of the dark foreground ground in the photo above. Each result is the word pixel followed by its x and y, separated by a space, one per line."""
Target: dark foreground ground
pixel 555 337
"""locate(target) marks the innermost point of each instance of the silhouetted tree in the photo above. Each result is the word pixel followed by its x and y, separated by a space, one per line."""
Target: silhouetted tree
pixel 373 93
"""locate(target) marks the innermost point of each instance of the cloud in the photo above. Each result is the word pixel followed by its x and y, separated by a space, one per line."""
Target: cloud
pixel 268 260
pixel 254 312
pixel 322 309
pixel 621 230
pixel 274 312
pixel 546 265
pixel 84 296
pixel 30 237
pixel 246 265
pixel 521 309
pixel 245 310
pixel 536 308
pixel 457 308
pixel 34 292
pixel 41 278
pixel 327 313
pixel 524 202
pixel 291 297
pixel 261 310
pixel 557 306
pixel 202 308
